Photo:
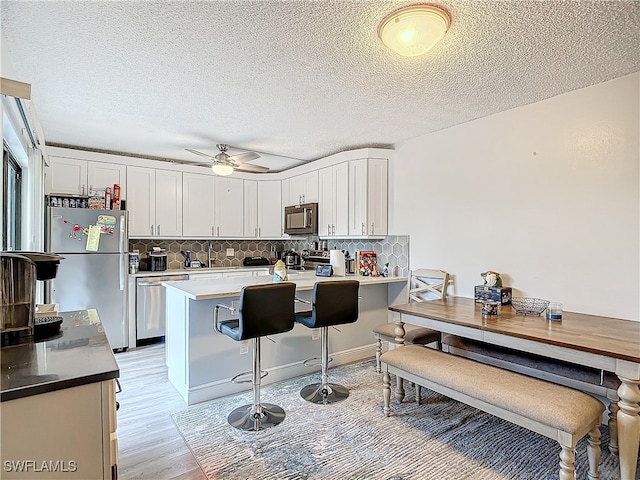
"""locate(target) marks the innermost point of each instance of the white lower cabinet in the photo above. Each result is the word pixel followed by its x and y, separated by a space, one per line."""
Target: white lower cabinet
pixel 69 433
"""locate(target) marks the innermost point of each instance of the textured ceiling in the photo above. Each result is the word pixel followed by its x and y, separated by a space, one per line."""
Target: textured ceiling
pixel 298 79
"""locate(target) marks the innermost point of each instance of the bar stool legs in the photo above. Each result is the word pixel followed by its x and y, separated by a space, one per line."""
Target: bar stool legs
pixel 256 416
pixel 324 393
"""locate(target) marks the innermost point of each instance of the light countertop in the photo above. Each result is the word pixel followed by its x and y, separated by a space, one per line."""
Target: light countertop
pixel 230 287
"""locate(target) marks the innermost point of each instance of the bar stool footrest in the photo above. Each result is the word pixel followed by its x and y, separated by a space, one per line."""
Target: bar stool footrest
pixel 315 362
pixel 239 378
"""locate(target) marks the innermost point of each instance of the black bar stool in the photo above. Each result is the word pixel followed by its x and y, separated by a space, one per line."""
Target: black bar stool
pixel 333 303
pixel 263 310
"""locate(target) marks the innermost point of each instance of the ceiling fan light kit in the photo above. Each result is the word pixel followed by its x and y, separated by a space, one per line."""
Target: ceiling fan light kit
pixel 222 169
pixel 414 30
pixel 224 164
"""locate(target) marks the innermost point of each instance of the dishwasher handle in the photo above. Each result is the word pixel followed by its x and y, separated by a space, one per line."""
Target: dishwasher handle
pixel 157 282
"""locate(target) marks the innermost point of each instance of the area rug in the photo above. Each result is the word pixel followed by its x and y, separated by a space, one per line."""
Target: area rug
pixel 352 440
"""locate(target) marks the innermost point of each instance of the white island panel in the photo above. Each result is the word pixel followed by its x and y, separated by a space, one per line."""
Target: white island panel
pixel 202 362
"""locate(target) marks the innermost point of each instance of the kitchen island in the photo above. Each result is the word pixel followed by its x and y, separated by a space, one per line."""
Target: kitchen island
pixel 58 411
pixel 201 362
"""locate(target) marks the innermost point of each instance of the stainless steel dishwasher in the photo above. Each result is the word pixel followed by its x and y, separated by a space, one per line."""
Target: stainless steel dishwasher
pixel 150 308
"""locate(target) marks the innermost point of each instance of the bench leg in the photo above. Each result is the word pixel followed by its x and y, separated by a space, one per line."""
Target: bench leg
pixel 399 392
pixel 378 353
pixel 593 451
pixel 613 427
pixel 567 463
pixel 386 392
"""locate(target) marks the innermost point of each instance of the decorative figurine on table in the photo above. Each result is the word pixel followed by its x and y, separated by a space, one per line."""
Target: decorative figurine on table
pixel 491 279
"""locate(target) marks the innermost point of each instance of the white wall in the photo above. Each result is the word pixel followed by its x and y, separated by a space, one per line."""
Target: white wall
pixel 546 194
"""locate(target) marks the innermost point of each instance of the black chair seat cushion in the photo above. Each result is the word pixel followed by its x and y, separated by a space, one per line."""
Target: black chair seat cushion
pixel 263 310
pixel 334 303
pixel 231 328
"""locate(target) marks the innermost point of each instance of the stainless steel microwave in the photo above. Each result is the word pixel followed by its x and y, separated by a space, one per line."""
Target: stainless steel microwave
pixel 301 219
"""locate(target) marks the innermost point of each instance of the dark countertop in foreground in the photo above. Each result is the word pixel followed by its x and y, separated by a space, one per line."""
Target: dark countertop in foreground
pixel 80 354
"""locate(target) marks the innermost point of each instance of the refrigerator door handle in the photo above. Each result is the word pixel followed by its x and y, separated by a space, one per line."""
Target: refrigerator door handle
pixel 122 256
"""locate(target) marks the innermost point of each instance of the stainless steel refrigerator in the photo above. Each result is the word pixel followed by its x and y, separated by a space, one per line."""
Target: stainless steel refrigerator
pixel 94 271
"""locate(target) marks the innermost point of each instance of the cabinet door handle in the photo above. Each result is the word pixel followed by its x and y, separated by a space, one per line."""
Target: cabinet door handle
pixel 333 229
pixel 328 229
pixel 218 230
pixel 152 230
pixel 372 229
pixel 363 229
pixel 212 234
pixel 259 231
pixel 158 230
pixel 255 232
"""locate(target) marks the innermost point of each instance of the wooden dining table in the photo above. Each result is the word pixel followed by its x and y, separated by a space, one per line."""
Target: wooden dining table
pixel 609 344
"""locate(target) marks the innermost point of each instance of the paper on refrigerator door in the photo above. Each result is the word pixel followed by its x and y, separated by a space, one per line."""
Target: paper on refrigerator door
pixel 93 239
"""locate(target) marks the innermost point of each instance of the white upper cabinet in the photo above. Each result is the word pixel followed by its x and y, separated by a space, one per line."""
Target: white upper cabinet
pixel 102 175
pixel 368 197
pixel 74 176
pixel 197 205
pixel 229 207
pixel 270 209
pixel 155 202
pixel 333 183
pixel 262 209
pixel 250 228
pixel 302 189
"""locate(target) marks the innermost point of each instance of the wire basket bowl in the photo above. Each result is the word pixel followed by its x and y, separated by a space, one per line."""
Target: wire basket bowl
pixel 529 306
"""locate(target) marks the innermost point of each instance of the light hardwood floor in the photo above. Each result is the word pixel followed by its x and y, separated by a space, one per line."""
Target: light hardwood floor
pixel 150 446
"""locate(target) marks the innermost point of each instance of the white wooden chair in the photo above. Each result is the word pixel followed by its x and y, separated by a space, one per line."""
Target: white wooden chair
pixel 424 285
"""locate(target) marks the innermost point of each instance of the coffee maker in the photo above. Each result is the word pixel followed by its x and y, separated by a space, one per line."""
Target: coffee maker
pixel 19 271
pixel 17 294
pixel 291 259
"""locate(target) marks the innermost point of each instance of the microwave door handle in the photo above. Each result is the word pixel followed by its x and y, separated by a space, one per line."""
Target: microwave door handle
pixel 305 218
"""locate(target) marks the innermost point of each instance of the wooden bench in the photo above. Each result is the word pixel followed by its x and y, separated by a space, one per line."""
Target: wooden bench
pixel 552 410
pixel 590 380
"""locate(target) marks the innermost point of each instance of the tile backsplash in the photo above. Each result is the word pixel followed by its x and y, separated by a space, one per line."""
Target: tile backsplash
pixel 393 249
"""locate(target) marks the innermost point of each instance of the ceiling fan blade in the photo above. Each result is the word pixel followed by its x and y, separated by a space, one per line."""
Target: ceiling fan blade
pixel 244 157
pixel 199 153
pixel 248 167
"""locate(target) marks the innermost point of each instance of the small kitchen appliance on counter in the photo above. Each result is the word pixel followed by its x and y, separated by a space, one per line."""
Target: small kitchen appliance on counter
pixel 17 298
pixel 292 259
pixel 19 321
pixel 255 262
pixel 157 260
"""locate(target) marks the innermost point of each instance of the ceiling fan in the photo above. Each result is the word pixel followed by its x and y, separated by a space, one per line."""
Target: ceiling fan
pixel 225 164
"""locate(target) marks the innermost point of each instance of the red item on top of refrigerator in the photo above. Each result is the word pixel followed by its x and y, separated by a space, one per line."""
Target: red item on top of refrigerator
pixel 116 197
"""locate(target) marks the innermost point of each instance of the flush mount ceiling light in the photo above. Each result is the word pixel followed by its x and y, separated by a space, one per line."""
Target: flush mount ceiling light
pixel 413 30
pixel 222 169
